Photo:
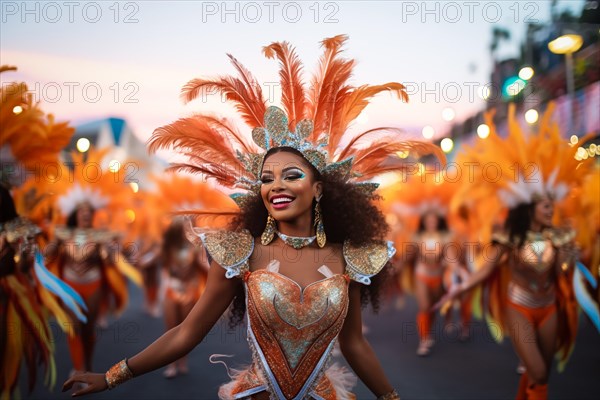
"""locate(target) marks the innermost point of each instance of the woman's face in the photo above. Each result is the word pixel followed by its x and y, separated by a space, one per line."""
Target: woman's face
pixel 84 216
pixel 288 186
pixel 430 222
pixel 543 211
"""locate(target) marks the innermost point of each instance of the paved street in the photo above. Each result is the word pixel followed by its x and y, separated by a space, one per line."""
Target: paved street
pixel 478 369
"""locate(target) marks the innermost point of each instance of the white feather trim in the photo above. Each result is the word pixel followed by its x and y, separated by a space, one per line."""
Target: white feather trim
pixel 342 380
pixel 523 191
pixel 78 195
pixel 433 205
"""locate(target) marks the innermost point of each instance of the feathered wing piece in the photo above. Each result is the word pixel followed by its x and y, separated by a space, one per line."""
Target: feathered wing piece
pixel 315 122
pixel 24 313
pixel 581 210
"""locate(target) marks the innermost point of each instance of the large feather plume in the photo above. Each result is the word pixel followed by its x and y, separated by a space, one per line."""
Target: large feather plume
pixel 245 92
pixel 210 145
pixel 293 93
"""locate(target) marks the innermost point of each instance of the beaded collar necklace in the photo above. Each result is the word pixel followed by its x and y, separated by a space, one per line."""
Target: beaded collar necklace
pixel 296 242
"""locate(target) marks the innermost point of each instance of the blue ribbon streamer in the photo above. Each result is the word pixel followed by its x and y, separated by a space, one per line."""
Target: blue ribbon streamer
pixel 587 303
pixel 66 293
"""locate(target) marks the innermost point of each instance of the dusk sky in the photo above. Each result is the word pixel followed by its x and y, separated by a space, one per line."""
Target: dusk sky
pixel 90 60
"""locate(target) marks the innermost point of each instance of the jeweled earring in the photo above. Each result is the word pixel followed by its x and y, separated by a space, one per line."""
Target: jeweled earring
pixel 269 232
pixel 319 227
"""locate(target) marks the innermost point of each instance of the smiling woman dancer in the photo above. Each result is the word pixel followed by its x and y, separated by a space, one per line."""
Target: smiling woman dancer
pixel 306 249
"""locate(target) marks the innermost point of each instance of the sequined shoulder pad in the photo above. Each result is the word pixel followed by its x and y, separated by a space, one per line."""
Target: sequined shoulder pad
pixel 231 250
pixel 560 238
pixel 501 238
pixel 19 228
pixel 100 236
pixel 364 262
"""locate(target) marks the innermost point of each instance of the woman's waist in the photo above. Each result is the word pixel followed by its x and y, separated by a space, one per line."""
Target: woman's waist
pixel 430 270
pixel 524 296
pixel 82 275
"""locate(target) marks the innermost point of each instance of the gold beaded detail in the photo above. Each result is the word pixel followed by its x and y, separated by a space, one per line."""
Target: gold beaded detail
pixel 319 227
pixel 19 228
pixel 393 395
pixel 118 374
pixel 367 260
pixel 230 250
pixel 296 242
pixel 269 232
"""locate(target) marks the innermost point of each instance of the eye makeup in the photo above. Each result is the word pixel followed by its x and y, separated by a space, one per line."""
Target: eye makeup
pixel 293 173
pixel 266 178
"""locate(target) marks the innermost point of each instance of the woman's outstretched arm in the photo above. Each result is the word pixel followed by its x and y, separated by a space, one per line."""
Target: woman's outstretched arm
pixel 178 341
pixel 357 350
pixel 491 259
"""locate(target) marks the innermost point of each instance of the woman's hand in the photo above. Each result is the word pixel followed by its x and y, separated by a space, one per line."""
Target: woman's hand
pixel 455 291
pixel 95 383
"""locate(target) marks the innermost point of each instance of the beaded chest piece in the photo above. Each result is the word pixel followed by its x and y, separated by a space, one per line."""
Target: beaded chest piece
pixel 291 330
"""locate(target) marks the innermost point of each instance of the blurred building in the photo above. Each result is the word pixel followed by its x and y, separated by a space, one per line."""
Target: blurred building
pixel 126 149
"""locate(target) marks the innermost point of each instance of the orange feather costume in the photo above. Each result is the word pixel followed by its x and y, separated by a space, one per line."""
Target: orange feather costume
pixel 30 140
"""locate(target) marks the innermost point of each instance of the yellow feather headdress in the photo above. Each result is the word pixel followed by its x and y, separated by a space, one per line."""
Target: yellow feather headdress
pixel 517 169
pixel 314 122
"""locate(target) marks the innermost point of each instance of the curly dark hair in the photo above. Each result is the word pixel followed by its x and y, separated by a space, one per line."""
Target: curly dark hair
pixel 7 213
pixel 348 214
pixel 7 209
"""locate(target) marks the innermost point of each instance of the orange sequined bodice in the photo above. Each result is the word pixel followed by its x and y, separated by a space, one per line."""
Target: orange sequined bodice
pixel 292 330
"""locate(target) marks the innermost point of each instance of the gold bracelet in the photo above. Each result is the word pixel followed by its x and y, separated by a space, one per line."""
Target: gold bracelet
pixel 393 395
pixel 118 374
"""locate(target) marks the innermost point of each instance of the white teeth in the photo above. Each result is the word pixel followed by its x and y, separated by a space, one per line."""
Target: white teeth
pixel 280 200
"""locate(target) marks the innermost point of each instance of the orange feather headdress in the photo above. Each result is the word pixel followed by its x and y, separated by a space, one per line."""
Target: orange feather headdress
pixel 87 179
pixel 417 196
pixel 29 139
pixel 315 122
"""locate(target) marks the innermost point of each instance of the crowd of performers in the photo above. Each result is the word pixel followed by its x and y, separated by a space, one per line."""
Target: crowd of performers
pixel 520 250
